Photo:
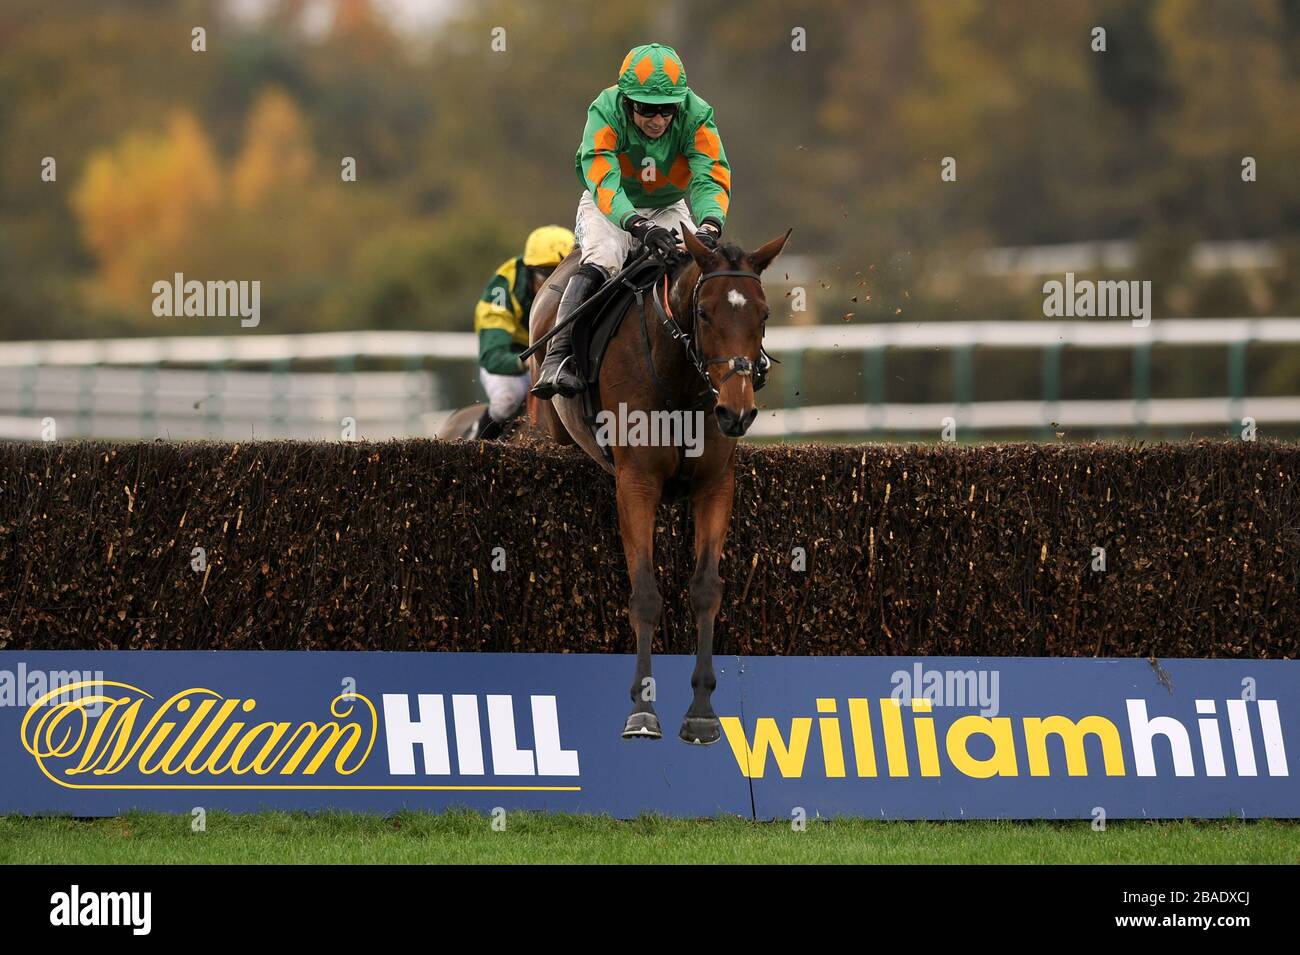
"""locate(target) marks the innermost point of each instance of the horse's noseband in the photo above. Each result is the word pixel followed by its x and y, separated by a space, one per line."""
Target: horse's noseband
pixel 739 365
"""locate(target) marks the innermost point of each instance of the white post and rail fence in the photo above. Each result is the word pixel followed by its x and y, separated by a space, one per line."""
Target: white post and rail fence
pixel 400 384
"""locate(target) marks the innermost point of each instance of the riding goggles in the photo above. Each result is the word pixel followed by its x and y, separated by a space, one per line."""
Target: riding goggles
pixel 654 109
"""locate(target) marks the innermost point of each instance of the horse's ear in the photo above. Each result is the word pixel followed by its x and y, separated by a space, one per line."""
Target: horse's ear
pixel 762 257
pixel 699 252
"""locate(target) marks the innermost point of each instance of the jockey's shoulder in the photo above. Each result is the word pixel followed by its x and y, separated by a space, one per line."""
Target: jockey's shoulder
pixel 696 105
pixel 509 269
pixel 506 275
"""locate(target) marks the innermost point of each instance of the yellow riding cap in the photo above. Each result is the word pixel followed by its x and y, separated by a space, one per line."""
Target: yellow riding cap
pixel 547 245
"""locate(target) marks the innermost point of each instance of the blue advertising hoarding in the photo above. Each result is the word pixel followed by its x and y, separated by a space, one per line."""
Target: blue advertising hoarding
pixel 99 733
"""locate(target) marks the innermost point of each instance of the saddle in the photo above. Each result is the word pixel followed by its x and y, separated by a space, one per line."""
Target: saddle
pixel 591 338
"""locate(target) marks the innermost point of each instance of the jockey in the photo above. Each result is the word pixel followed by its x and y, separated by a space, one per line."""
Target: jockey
pixel 501 323
pixel 649 144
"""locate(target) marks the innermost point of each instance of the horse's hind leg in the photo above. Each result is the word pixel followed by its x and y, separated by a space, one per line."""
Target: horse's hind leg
pixel 711 513
pixel 638 498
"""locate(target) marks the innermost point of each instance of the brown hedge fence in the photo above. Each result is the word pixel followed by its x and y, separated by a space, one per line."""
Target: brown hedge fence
pixel 916 549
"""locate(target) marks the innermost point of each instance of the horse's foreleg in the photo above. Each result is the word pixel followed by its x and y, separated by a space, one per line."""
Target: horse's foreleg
pixel 638 498
pixel 711 513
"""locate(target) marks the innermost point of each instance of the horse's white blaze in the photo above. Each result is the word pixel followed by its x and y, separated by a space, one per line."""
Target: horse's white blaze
pixel 735 298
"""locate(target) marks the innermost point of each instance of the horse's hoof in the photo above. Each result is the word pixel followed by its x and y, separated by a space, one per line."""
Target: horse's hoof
pixel 701 730
pixel 642 726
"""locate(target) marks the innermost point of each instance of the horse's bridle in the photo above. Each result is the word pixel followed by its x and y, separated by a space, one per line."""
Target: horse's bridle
pixel 736 364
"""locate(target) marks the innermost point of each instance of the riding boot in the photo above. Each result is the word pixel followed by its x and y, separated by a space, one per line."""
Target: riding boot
pixel 559 372
pixel 488 428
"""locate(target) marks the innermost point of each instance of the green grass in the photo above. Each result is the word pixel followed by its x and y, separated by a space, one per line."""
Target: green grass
pixel 528 837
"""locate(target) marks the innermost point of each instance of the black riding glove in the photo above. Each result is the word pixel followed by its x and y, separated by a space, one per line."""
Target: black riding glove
pixel 656 238
pixel 708 234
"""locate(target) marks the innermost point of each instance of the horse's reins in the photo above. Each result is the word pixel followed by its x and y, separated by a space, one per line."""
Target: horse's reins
pixel 736 364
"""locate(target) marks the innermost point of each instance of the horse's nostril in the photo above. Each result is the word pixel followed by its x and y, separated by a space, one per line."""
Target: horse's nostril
pixel 731 423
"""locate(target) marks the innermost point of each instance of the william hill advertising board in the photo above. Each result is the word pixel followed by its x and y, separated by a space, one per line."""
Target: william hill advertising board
pixel 99 733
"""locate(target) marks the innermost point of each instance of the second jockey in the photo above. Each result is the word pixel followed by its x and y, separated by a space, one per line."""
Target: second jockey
pixel 501 323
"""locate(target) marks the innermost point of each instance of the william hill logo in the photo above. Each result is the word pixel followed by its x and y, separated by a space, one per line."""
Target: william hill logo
pixel 101 734
pixel 853 742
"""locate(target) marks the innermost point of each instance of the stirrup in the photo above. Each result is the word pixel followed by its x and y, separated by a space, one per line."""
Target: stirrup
pixel 577 375
pixel 564 361
pixel 548 386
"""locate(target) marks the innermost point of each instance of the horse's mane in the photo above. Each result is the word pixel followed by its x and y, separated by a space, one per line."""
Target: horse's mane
pixel 734 254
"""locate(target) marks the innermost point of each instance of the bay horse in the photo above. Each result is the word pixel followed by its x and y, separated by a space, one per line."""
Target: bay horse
pixel 706 343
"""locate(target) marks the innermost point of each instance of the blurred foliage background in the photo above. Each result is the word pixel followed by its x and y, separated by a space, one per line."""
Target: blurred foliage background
pixel 226 163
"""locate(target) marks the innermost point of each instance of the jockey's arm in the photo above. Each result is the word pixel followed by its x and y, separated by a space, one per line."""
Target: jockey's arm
pixel 710 192
pixel 600 173
pixel 495 322
pixel 497 353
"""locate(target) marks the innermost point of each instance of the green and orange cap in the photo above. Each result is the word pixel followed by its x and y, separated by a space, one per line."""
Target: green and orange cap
pixel 653 73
